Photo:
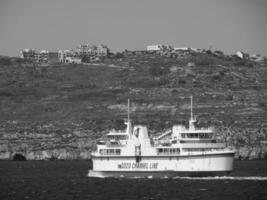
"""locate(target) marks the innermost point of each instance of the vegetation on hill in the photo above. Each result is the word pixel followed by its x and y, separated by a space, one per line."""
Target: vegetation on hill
pixel 58 111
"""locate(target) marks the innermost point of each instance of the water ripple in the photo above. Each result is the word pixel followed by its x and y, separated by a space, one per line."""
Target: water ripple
pixel 239 178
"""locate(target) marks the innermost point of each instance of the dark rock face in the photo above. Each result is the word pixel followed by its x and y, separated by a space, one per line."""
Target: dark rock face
pixel 19 157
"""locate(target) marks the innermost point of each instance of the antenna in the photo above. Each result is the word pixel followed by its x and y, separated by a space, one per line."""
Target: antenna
pixel 128 110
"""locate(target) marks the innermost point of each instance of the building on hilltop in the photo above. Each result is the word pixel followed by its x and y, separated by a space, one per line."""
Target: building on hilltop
pixel 28 54
pixel 90 50
pixel 187 49
pixel 52 57
pixel 156 47
pixel 102 50
pixel 242 55
pixel 74 60
pixel 159 47
pixel 181 48
pixel 85 52
pixel 44 56
pixel 63 55
pixel 258 58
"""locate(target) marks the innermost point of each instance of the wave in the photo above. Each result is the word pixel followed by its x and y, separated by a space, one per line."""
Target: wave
pixel 239 178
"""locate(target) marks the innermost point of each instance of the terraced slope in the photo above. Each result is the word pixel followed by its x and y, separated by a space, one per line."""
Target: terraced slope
pixel 58 111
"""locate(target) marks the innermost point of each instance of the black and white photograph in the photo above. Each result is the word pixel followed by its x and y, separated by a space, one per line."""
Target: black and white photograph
pixel 133 100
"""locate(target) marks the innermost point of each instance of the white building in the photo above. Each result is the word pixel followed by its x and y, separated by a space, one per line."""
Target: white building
pixel 156 47
pixel 74 60
pixel 102 50
pixel 43 56
pixel 181 48
pixel 28 54
pixel 88 50
pixel 65 54
pixel 240 54
pixel 91 52
pixel 256 57
pixel 186 49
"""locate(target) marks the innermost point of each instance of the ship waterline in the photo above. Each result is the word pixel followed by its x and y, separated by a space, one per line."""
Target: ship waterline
pixel 156 174
pixel 178 152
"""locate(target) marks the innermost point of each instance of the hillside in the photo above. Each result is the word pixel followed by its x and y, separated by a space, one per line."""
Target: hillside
pixel 59 111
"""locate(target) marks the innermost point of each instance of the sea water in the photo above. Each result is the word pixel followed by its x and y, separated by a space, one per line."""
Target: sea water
pixel 68 180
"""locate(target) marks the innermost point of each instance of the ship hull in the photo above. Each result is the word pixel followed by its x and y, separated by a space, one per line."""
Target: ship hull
pixel 155 174
pixel 163 166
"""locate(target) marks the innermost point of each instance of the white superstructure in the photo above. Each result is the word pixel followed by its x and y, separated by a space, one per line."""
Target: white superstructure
pixel 180 151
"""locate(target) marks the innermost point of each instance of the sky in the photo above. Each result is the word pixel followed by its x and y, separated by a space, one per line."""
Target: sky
pixel 226 25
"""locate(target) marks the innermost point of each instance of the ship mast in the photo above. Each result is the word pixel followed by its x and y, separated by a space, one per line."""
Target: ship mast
pixel 191 107
pixel 192 120
pixel 128 120
pixel 128 110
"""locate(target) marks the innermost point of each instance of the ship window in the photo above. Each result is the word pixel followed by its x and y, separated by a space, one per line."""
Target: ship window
pixel 197 149
pixel 111 137
pixel 111 151
pixel 124 137
pixel 118 151
pixel 104 151
pixel 166 150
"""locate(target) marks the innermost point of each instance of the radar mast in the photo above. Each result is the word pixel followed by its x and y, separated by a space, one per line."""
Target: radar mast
pixel 192 119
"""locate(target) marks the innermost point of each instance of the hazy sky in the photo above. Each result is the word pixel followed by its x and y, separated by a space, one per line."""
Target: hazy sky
pixel 227 25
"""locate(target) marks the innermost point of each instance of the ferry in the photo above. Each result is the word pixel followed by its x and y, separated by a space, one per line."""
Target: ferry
pixel 181 151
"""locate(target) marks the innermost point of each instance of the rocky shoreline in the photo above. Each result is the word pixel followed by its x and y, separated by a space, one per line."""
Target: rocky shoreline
pixel 49 142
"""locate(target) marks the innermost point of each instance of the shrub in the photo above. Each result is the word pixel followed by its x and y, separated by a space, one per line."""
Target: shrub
pixel 240 63
pixel 216 77
pixel 229 97
pixel 250 65
pixel 155 71
pixel 182 81
pixel 118 124
pixel 5 61
pixel 261 104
